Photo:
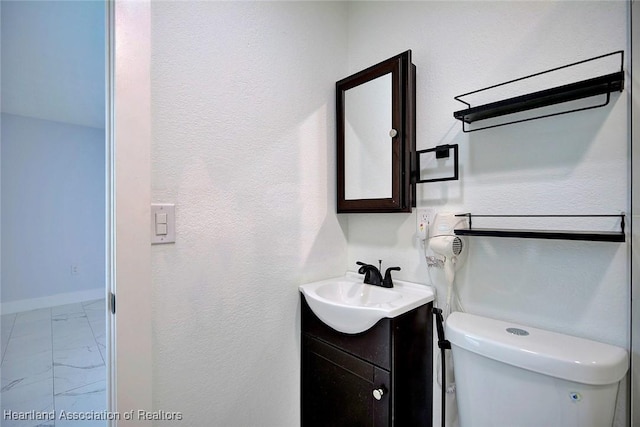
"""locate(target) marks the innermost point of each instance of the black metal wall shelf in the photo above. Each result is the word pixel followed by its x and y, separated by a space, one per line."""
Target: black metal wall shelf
pixel 605 84
pixel 594 236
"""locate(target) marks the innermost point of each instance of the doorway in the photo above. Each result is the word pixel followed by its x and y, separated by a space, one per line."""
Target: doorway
pixel 53 351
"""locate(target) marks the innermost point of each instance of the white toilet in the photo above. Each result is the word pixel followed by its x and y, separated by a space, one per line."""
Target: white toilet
pixel 510 375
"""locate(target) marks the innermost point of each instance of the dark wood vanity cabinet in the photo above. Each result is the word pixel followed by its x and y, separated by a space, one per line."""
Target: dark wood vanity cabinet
pixel 341 372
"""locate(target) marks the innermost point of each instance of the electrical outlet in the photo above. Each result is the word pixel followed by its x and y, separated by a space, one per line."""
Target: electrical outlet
pixel 74 270
pixel 424 217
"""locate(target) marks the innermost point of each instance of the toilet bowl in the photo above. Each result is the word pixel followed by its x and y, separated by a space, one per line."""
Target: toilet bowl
pixel 510 375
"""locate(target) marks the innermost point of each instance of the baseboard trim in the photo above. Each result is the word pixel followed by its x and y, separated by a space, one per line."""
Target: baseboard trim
pixel 18 306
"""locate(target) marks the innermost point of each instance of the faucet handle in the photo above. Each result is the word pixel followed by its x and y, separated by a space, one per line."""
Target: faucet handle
pixel 387 282
pixel 366 270
pixel 363 267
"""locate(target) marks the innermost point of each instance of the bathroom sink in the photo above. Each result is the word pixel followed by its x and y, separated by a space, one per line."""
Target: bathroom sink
pixel 348 305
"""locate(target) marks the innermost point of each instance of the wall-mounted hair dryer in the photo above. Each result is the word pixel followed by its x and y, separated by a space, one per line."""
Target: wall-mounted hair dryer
pixel 450 247
pixel 449 250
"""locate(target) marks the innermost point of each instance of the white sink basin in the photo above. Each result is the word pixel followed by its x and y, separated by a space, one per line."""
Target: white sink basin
pixel 348 305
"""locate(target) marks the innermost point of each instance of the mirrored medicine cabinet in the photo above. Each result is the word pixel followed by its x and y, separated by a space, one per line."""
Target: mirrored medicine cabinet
pixel 376 137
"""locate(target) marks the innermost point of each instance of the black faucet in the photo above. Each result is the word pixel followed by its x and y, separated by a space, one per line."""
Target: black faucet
pixel 372 275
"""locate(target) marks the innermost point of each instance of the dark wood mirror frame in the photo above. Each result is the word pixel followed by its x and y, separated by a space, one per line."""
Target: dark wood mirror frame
pixel 403 121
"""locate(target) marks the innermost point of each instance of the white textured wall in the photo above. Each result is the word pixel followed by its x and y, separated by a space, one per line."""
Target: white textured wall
pixel 53 209
pixel 572 164
pixel 243 144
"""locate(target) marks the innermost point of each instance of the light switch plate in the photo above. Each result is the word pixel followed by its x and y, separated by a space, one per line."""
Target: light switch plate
pixel 162 211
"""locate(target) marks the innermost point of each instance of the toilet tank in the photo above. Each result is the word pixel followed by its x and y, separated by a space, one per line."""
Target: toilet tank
pixel 510 375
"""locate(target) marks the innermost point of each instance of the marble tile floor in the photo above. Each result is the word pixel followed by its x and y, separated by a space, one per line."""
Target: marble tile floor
pixel 53 359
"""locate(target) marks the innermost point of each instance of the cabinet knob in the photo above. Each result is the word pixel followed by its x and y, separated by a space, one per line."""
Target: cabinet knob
pixel 393 133
pixel 378 393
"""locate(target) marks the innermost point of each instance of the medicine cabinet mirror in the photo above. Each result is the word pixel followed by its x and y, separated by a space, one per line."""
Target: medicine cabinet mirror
pixel 375 133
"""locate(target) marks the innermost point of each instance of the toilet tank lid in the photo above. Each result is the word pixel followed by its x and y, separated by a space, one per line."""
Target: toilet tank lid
pixel 550 353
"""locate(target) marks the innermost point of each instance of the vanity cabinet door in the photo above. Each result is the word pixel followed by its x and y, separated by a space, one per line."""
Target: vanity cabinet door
pixel 338 389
